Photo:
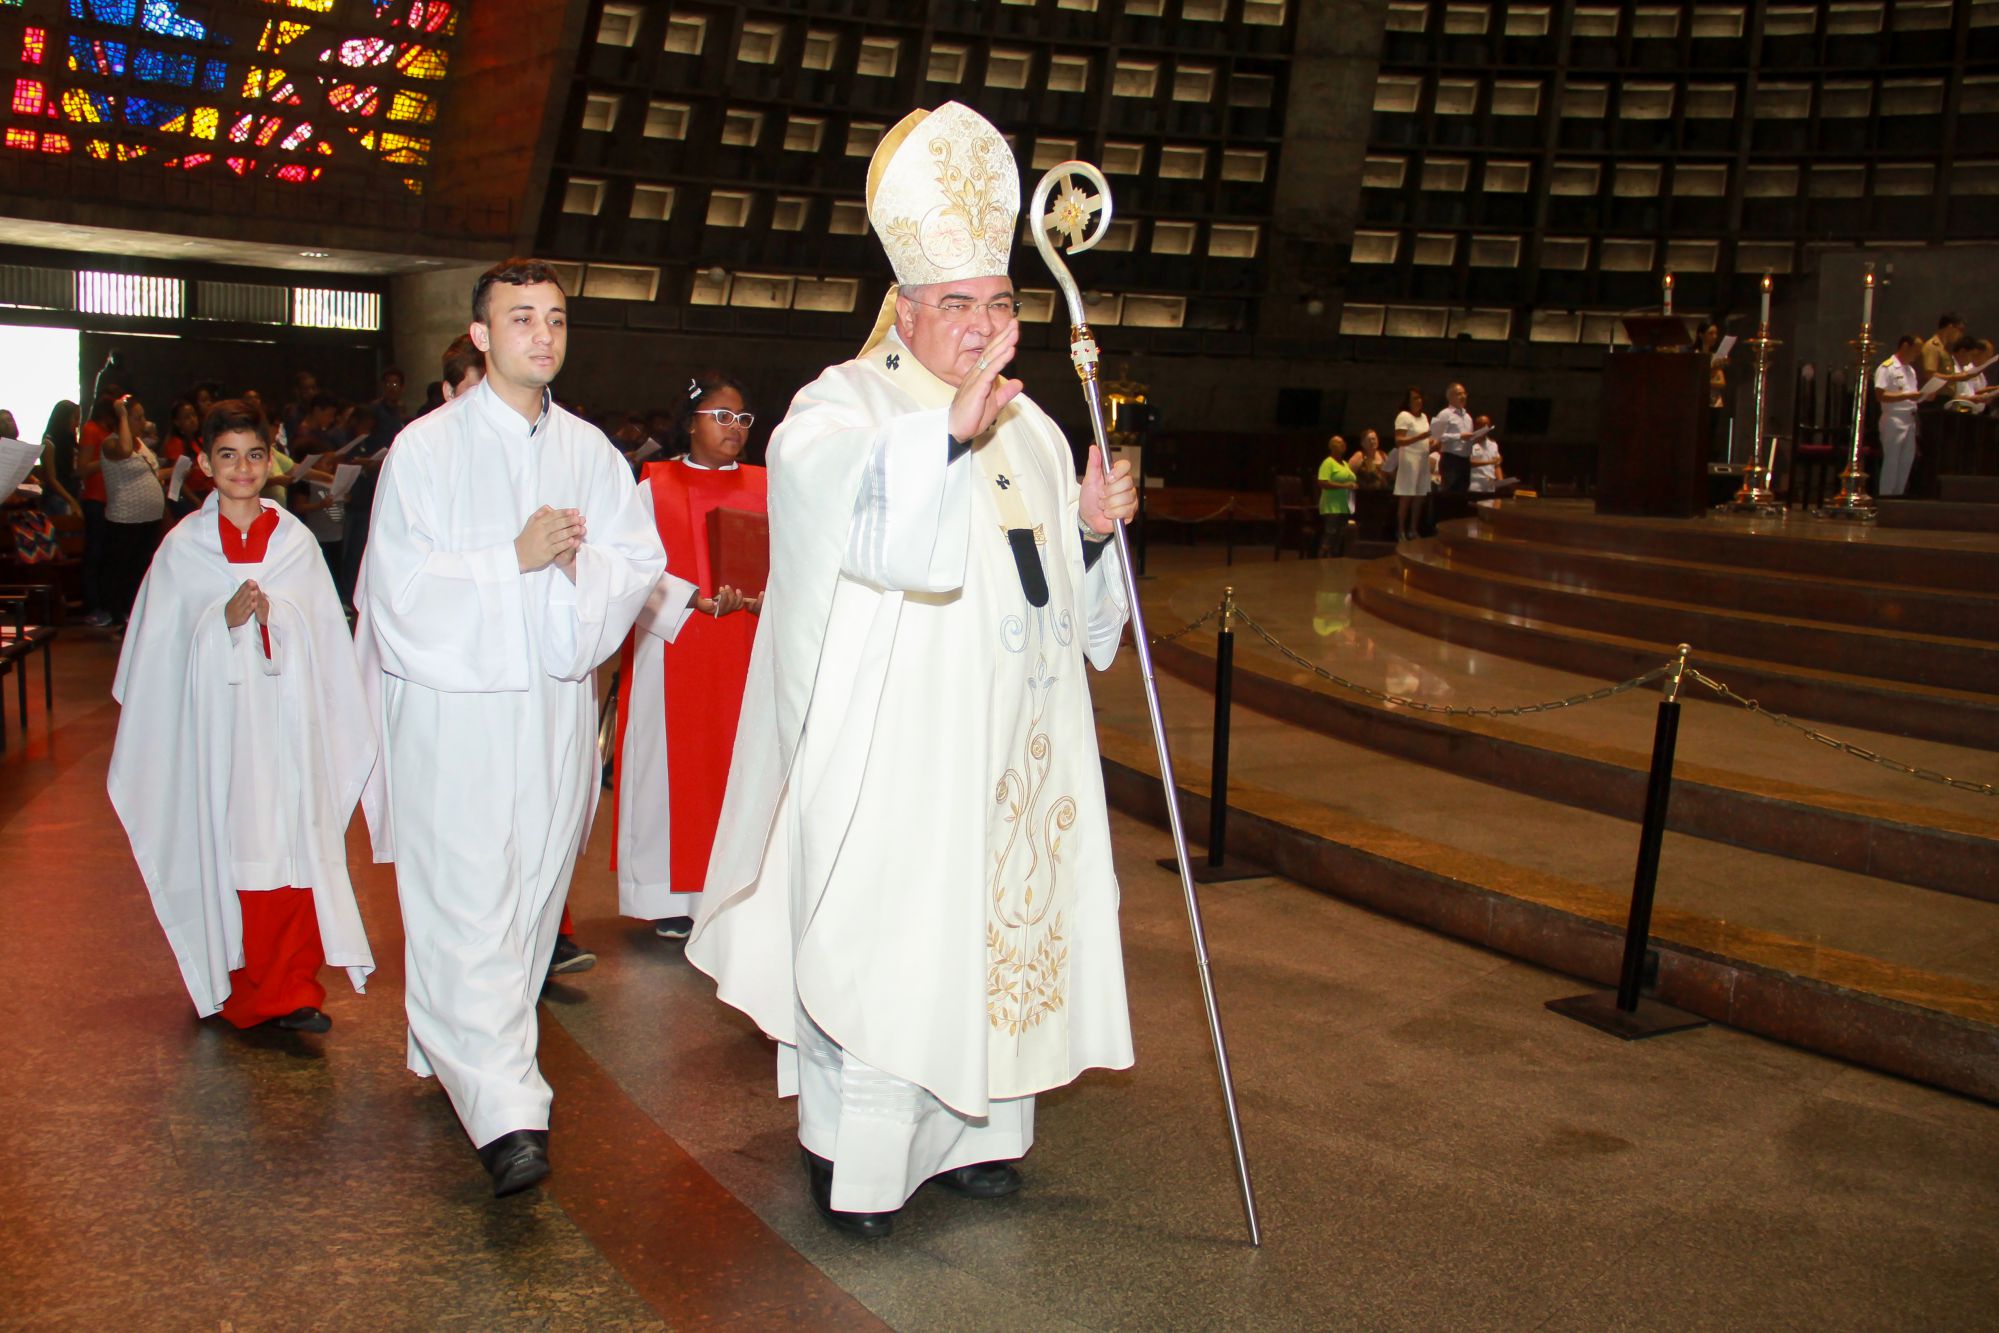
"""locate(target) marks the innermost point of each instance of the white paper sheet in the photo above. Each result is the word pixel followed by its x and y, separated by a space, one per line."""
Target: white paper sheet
pixel 344 478
pixel 1930 389
pixel 1721 352
pixel 182 466
pixel 645 451
pixel 17 460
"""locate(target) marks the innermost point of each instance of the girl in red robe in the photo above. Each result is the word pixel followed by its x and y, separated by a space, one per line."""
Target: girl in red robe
pixel 681 676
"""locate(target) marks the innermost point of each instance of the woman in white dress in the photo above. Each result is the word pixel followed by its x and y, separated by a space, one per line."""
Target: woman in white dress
pixel 1413 447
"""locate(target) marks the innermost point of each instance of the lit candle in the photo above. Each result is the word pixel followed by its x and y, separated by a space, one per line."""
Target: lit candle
pixel 1766 300
pixel 1867 306
pixel 1669 294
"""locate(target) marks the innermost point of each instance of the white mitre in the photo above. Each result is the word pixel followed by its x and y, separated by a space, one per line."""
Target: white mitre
pixel 943 195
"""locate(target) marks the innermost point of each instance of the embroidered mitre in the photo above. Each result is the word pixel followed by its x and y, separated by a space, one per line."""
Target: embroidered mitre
pixel 943 194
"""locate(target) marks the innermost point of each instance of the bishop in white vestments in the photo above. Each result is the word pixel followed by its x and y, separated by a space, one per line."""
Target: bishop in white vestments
pixel 508 557
pixel 911 887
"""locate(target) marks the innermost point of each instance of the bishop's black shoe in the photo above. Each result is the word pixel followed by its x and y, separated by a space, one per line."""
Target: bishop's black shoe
pixel 517 1160
pixel 981 1180
pixel 868 1226
pixel 570 956
pixel 307 1019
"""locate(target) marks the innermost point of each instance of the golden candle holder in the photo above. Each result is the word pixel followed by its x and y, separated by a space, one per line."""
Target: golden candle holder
pixel 1756 497
pixel 1853 504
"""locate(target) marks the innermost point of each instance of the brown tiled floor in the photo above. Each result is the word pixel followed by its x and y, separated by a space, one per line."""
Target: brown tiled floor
pixel 1433 1149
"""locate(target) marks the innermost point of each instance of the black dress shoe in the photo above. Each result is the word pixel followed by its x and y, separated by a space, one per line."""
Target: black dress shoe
pixel 517 1160
pixel 868 1226
pixel 570 956
pixel 307 1019
pixel 981 1180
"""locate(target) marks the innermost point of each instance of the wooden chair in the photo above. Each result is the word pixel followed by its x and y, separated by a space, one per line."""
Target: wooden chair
pixel 25 630
pixel 1296 515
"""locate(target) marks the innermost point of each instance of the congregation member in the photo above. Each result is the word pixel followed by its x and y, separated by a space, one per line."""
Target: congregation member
pixel 464 365
pixel 1452 427
pixel 508 559
pixel 683 674
pixel 1371 468
pixel 1898 387
pixel 1485 460
pixel 101 425
pixel 237 761
pixel 1970 392
pixel 135 506
pixel 183 440
pixel 1934 357
pixel 58 465
pixel 912 887
pixel 369 431
pixel 1414 443
pixel 1336 487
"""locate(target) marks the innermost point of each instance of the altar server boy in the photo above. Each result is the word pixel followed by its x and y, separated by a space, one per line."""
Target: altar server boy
pixel 243 746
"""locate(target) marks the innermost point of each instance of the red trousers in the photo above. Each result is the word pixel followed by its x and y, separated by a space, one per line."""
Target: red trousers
pixel 282 956
pixel 568 927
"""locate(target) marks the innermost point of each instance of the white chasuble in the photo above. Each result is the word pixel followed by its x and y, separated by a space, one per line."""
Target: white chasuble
pixel 234 770
pixel 914 845
pixel 488 715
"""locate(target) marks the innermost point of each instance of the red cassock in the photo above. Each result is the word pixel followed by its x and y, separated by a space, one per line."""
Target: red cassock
pixel 282 953
pixel 705 664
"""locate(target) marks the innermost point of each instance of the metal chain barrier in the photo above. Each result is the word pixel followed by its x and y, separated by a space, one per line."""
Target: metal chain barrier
pixel 1187 628
pixel 1844 747
pixel 1450 710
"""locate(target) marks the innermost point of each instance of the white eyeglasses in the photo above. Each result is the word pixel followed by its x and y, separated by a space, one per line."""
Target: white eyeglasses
pixel 727 419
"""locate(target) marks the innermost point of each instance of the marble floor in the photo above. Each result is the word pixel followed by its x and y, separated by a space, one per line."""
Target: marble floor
pixel 1432 1148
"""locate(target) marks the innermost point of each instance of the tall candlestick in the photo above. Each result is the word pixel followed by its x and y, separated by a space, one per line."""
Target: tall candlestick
pixel 1766 300
pixel 1668 307
pixel 1867 305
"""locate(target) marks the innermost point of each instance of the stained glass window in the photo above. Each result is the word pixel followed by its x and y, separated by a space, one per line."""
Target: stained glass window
pixel 299 97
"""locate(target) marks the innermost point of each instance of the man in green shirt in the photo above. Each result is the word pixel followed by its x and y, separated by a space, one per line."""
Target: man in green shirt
pixel 1336 484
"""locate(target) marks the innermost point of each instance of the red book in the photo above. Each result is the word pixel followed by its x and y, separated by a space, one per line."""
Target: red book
pixel 738 550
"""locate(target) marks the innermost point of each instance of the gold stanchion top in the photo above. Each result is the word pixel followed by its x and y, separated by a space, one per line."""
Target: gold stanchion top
pixel 1679 674
pixel 1228 610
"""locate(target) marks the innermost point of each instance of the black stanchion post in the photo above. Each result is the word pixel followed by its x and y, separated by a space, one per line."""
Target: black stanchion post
pixel 1625 1013
pixel 1217 868
pixel 1218 767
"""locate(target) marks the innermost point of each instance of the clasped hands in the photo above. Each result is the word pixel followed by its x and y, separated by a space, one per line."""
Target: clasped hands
pixel 551 537
pixel 248 600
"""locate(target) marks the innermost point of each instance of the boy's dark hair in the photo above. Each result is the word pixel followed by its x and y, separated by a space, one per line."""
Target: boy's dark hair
pixel 228 417
pixel 323 402
pixel 363 414
pixel 1947 319
pixel 461 359
pixel 516 272
pixel 1907 340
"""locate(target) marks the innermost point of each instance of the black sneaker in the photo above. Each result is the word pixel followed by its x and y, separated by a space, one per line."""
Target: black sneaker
pixel 674 927
pixel 570 957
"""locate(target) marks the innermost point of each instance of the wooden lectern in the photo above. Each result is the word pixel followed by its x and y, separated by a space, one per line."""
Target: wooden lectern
pixel 1652 437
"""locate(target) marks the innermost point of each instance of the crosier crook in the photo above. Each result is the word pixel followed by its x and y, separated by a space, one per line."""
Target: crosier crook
pixel 1072 217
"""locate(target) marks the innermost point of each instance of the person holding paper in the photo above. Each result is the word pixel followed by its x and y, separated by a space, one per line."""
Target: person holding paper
pixel 508 557
pixel 135 503
pixel 1453 431
pixel 912 889
pixel 683 676
pixel 1485 459
pixel 237 762
pixel 1898 388
pixel 183 440
pixel 1934 356
pixel 1414 443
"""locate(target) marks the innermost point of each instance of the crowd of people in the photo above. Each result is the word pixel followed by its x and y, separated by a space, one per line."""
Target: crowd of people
pixel 1949 368
pixel 1453 451
pixel 827 672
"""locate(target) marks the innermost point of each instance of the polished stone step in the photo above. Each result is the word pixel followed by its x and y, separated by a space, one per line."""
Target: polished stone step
pixel 1941 515
pixel 1753 588
pixel 1929 660
pixel 1901 841
pixel 1861 553
pixel 1954 717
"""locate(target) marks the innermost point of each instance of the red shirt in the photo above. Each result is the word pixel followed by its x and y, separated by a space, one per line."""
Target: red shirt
pixel 90 449
pixel 248 548
pixel 196 483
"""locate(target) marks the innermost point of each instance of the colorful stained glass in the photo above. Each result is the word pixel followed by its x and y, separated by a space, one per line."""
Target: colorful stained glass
pixel 137 67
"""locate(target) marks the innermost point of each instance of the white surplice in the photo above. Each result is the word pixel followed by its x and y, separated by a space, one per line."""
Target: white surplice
pixel 233 771
pixel 645 849
pixel 914 846
pixel 488 717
